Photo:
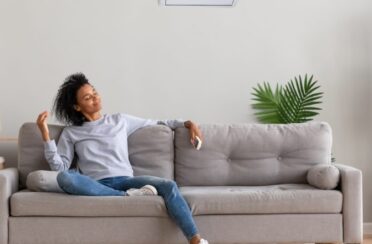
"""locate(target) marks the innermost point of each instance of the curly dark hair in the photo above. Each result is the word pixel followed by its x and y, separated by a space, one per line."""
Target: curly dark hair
pixel 65 100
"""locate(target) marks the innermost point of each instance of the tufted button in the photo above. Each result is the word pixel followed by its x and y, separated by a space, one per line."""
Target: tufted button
pixel 229 160
pixel 279 158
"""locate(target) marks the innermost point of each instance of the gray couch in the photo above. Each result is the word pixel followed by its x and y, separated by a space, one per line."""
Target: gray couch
pixel 248 183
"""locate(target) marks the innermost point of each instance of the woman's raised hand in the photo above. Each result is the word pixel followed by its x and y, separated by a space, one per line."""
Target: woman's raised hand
pixel 43 126
pixel 194 131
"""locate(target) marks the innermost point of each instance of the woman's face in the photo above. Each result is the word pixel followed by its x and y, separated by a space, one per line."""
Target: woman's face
pixel 88 100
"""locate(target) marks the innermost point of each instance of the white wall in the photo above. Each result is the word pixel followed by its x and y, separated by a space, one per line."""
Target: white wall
pixel 157 62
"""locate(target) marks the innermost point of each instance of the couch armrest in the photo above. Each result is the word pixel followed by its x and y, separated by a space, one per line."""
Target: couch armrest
pixel 8 185
pixel 352 207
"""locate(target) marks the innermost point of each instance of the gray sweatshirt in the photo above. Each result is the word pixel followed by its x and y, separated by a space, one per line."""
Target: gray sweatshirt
pixel 101 145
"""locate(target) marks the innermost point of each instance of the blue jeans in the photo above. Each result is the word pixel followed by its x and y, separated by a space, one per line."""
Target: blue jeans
pixel 75 183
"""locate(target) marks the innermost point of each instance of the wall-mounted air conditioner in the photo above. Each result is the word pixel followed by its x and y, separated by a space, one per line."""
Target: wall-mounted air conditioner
pixel 197 2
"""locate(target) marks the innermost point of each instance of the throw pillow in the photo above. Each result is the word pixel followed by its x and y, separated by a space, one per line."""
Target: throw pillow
pixel 43 180
pixel 323 176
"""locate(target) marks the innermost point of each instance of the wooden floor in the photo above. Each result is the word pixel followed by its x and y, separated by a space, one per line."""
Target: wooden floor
pixel 367 240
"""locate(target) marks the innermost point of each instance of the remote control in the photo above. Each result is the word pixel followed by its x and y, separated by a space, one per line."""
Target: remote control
pixel 197 143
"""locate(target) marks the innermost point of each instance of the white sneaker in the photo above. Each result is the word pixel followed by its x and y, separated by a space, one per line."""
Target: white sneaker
pixel 147 190
pixel 202 241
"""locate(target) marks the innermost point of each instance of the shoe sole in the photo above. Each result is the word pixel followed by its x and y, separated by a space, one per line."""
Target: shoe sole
pixel 153 189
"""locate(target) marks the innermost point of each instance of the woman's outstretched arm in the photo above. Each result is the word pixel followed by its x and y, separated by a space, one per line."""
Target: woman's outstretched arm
pixel 192 126
pixel 59 157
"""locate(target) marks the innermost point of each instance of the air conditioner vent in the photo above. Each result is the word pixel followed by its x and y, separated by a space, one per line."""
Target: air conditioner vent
pixel 197 2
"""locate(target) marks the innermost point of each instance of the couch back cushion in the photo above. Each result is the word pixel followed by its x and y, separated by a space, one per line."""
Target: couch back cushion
pixel 150 150
pixel 251 154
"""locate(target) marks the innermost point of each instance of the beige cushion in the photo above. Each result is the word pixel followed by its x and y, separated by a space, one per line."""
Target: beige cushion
pixel 325 176
pixel 26 203
pixel 275 199
pixel 251 154
pixel 43 180
pixel 150 150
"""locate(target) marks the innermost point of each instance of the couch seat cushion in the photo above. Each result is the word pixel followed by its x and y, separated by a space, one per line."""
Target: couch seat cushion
pixel 27 203
pixel 283 198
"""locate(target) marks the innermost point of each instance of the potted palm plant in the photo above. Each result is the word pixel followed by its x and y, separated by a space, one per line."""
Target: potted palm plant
pixel 295 102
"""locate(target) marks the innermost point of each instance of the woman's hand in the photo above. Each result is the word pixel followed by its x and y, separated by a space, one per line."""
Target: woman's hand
pixel 43 126
pixel 194 131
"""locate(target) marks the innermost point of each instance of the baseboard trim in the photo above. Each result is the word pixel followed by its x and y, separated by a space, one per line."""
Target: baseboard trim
pixel 367 229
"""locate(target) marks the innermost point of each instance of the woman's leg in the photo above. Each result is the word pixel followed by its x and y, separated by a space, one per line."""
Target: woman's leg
pixel 177 207
pixel 77 184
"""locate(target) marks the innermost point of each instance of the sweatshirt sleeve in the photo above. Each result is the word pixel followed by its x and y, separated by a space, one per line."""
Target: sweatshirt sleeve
pixel 135 123
pixel 59 157
pixel 172 123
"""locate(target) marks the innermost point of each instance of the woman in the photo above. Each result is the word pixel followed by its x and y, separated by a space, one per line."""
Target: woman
pixel 100 143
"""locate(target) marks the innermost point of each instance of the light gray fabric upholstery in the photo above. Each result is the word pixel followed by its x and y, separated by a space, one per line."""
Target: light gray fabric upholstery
pixel 324 176
pixel 275 199
pixel 352 190
pixel 151 151
pixel 258 170
pixel 220 229
pixel 252 154
pixel 8 185
pixel 43 180
pixel 152 142
pixel 26 203
pixel 287 198
pixel 31 149
pixel 99 230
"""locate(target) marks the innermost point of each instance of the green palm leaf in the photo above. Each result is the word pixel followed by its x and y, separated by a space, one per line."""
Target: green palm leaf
pixel 294 103
pixel 267 102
